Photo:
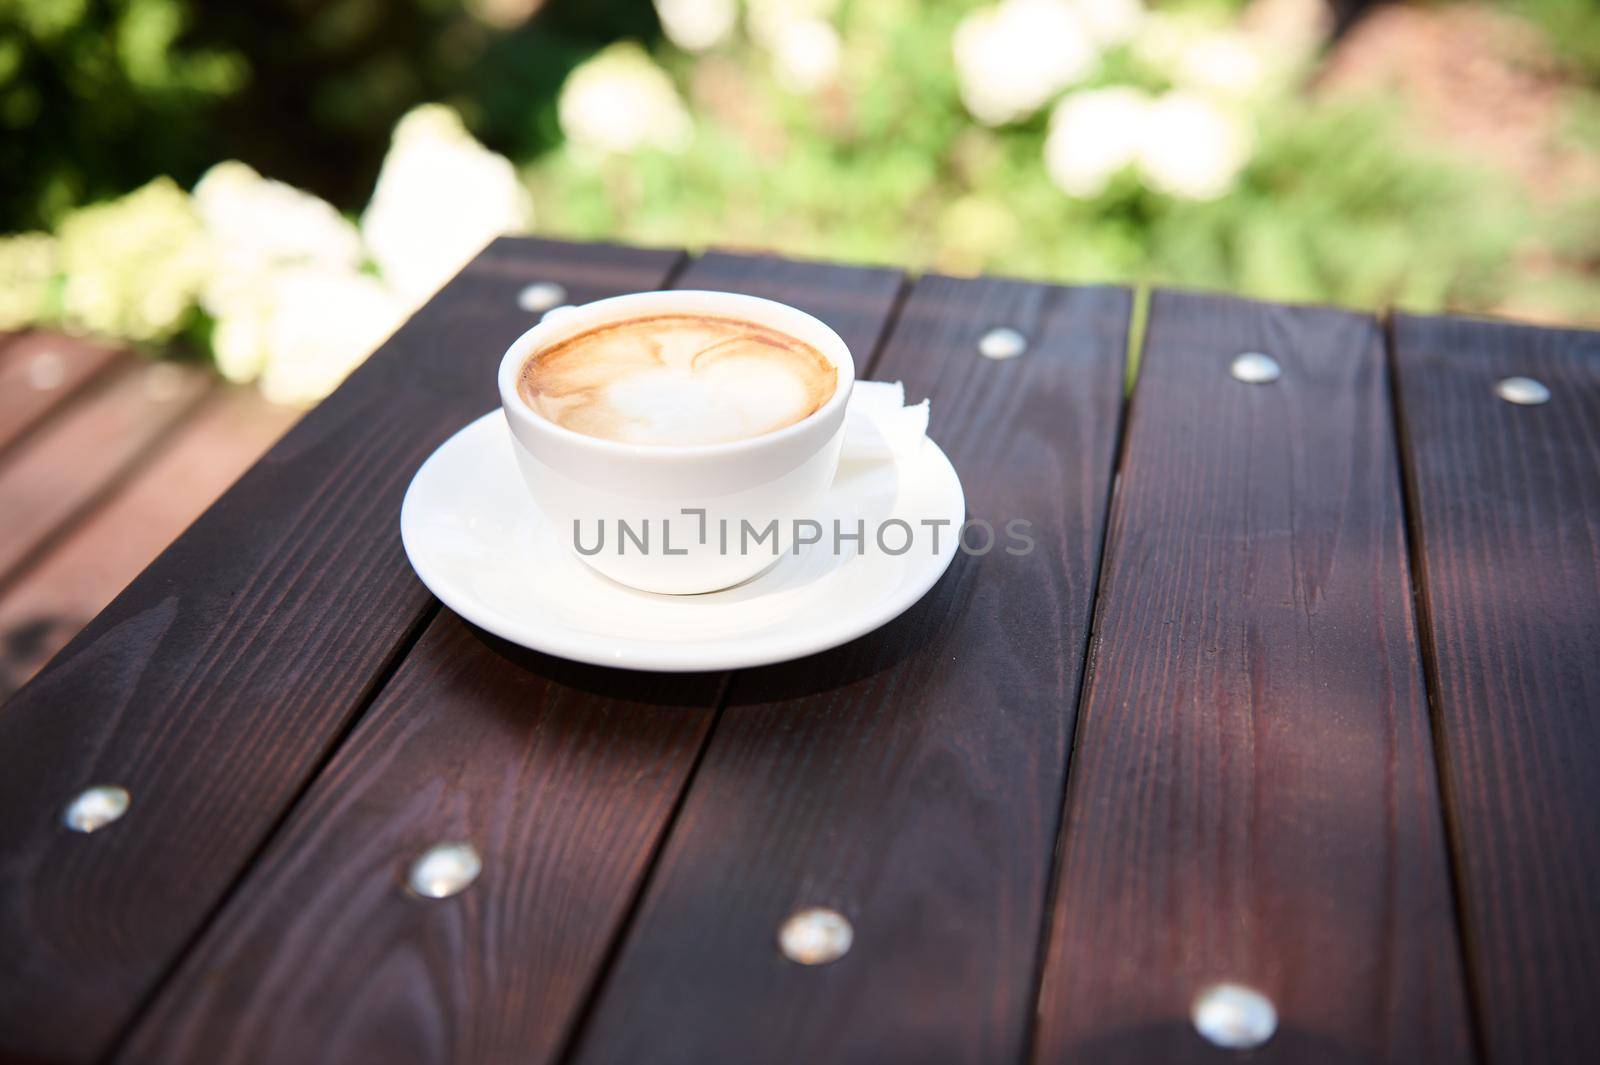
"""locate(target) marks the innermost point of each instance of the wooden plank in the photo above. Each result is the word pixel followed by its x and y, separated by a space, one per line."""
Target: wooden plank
pixel 856 301
pixel 46 605
pixel 911 779
pixel 562 776
pixel 217 682
pixel 1253 796
pixel 1506 527
pixel 39 371
pixel 60 472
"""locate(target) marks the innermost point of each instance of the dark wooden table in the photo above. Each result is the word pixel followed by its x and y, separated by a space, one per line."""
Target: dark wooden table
pixel 1300 691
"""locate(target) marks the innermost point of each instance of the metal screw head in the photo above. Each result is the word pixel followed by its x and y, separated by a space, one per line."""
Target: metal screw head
pixel 444 869
pixel 815 936
pixel 46 371
pixel 1524 391
pixel 1233 1016
pixel 95 808
pixel 1254 368
pixel 541 296
pixel 1002 342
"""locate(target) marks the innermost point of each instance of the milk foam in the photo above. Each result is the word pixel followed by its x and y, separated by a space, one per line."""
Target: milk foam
pixel 678 379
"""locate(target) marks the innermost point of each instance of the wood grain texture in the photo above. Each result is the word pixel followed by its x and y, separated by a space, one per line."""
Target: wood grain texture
pixel 1506 524
pixel 560 776
pixel 81 573
pixel 56 473
pixel 855 301
pixel 563 776
pixel 1252 795
pixel 214 685
pixel 912 778
pixel 40 371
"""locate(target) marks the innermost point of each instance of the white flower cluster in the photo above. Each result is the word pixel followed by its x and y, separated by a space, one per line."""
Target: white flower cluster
pixel 618 101
pixel 697 25
pixel 323 324
pixel 28 265
pixel 440 197
pixel 1224 62
pixel 285 278
pixel 1181 143
pixel 1013 58
pixel 1111 22
pixel 1200 56
pixel 134 266
pixel 286 291
pixel 797 34
pixel 294 307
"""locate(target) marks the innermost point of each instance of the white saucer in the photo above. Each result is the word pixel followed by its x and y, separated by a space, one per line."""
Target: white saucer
pixel 477 541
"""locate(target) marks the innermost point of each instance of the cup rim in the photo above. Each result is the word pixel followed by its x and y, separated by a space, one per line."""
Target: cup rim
pixel 547 329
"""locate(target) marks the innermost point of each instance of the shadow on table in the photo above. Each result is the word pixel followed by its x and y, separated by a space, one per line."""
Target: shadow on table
pixel 918 631
pixel 691 690
pixel 922 631
pixel 1176 1041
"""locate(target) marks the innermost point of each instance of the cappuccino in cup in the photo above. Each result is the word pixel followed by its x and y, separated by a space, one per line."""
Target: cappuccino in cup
pixel 677 379
pixel 646 425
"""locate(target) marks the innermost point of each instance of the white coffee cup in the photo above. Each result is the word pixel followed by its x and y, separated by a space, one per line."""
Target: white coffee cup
pixel 703 509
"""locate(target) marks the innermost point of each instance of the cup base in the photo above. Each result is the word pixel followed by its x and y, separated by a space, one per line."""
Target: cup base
pixel 757 575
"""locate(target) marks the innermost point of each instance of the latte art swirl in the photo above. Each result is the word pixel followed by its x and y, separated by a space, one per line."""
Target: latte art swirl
pixel 677 379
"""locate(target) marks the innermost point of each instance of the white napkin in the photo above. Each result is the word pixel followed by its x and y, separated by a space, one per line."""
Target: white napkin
pixel 878 426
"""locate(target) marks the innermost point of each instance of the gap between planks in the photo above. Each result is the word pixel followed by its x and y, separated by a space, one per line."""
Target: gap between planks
pixel 1138 330
pixel 1422 614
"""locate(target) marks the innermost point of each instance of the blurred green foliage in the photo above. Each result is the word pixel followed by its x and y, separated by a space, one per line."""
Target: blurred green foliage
pixel 1339 202
pixel 96 96
pixel 1573 29
pixel 99 96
